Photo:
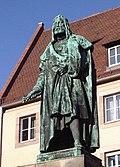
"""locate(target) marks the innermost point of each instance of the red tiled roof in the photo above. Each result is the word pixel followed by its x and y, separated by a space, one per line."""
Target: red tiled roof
pixel 101 29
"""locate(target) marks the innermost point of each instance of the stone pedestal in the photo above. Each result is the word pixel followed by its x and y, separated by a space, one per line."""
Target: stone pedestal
pixel 71 152
pixel 73 159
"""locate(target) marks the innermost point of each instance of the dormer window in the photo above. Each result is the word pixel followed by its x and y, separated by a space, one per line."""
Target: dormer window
pixel 114 55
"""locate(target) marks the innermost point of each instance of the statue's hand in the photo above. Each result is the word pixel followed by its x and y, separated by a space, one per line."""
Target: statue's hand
pixel 31 95
pixel 26 98
pixel 63 70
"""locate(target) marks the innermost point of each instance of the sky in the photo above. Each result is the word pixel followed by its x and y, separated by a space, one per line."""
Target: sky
pixel 19 19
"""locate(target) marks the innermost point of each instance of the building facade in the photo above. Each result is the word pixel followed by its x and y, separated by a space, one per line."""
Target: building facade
pixel 20 123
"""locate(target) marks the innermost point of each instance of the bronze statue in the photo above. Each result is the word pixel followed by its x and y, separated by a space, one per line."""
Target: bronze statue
pixel 67 87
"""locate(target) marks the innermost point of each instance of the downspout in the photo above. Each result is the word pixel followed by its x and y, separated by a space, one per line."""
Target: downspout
pixel 1 120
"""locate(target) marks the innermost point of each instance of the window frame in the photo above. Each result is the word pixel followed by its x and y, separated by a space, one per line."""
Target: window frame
pixel 29 128
pixel 108 155
pixel 114 108
pixel 116 63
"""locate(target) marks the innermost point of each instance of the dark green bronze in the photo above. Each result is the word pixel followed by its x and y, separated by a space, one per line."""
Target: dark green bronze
pixel 71 152
pixel 67 87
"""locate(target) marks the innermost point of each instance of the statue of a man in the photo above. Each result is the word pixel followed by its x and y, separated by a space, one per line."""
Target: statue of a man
pixel 66 85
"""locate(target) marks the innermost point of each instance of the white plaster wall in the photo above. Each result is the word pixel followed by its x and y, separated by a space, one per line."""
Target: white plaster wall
pixel 13 156
pixel 109 132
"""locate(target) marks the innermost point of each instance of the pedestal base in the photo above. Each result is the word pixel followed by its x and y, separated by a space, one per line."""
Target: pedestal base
pixel 82 160
pixel 71 152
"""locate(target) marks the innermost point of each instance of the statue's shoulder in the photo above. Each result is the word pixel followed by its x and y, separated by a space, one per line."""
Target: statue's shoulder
pixel 85 43
pixel 75 37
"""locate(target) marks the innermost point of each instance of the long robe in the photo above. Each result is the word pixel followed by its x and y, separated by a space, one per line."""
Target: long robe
pixel 71 94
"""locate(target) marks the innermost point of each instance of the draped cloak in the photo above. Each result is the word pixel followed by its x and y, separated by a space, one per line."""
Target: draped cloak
pixel 71 94
pixel 68 95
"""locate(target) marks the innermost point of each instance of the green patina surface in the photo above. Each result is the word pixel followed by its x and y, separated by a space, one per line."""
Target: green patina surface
pixel 67 87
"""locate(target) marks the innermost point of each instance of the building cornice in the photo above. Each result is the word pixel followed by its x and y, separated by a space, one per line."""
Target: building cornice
pixel 108 79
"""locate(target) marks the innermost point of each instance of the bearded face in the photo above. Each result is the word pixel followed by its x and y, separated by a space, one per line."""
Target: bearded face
pixel 59 26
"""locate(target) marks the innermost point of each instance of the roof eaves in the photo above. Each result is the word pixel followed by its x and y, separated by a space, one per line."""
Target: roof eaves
pixel 94 15
pixel 39 29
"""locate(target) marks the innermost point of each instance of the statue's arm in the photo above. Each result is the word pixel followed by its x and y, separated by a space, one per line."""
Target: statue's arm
pixel 37 89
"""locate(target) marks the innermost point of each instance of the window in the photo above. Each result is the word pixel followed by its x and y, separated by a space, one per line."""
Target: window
pixel 114 55
pixel 112 108
pixel 113 161
pixel 28 126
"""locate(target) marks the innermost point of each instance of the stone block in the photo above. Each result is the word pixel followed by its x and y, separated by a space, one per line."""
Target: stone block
pixel 84 160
